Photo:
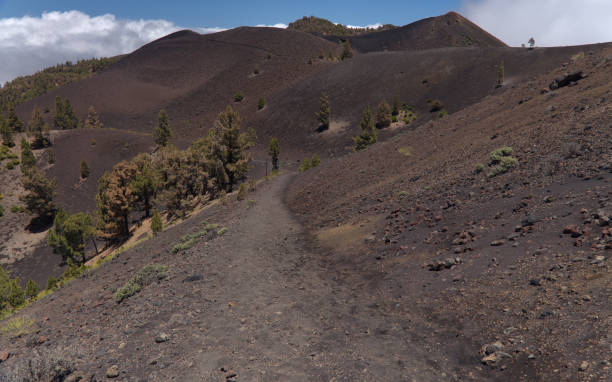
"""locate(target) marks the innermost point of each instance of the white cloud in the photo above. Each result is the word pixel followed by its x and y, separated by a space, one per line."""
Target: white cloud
pixel 550 22
pixel 371 26
pixel 28 44
pixel 279 25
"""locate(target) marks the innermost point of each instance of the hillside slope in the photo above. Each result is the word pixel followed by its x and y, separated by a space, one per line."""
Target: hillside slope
pixel 510 266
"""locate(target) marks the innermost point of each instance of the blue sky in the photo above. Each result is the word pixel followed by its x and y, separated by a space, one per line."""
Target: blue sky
pixel 227 14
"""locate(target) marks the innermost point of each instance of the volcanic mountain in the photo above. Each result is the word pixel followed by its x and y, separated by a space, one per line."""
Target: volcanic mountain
pixel 471 242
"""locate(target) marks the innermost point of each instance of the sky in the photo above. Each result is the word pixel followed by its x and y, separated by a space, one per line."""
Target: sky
pixel 38 33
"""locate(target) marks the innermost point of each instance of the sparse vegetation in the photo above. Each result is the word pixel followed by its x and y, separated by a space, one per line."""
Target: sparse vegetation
pixel 305 165
pixel 69 234
pixel 40 193
pixel 242 192
pixel 435 105
pixel 64 117
pixel 368 134
pixel 347 51
pixel 273 152
pixel 479 168
pixel 405 151
pixel 500 75
pixel 93 119
pixel 32 289
pixel 321 26
pixel 156 223
pixel 442 114
pixel 25 88
pixel 261 103
pixel 27 156
pixel 238 97
pixel 383 115
pixel 84 169
pixel 17 326
pixel 39 129
pixel 323 115
pixel 162 131
pixel 144 277
pixel 502 160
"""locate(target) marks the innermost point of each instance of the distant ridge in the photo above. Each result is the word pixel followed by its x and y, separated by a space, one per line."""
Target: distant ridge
pixel 323 27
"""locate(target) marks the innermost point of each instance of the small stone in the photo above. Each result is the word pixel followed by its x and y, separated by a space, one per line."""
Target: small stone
pixel 112 372
pixel 4 355
pixel 535 282
pixel 122 345
pixel 531 356
pixel 584 365
pixel 586 297
pixel 497 243
pixel 572 230
pixel 163 337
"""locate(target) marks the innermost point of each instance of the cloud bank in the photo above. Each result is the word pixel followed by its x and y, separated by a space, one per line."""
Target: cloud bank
pixel 29 44
pixel 549 22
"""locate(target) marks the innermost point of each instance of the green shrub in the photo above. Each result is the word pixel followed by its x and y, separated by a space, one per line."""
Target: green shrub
pixel 222 231
pixel 146 276
pixel 238 97
pixel 261 103
pixel 394 118
pixel 315 161
pixel 402 194
pixel 405 151
pixel 306 165
pixel 498 154
pixel 502 160
pixel 16 209
pixel 479 168
pixel 442 114
pixel 1 210
pixel 16 296
pixel 156 223
pixel 211 226
pixel 51 283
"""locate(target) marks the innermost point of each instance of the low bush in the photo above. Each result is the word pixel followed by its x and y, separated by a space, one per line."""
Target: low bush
pixel 144 277
pixel 435 106
pixel 238 97
pixel 479 168
pixel 502 160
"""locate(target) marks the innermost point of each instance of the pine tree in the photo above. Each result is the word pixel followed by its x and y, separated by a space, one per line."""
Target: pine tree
pixel 39 129
pixel 227 149
pixel 273 152
pixel 71 120
pixel 115 200
pixel 13 120
pixel 531 43
pixel 347 52
pixel 383 115
pixel 27 156
pixel 6 132
pixel 368 133
pixel 40 192
pixel 84 169
pixel 500 75
pixel 64 117
pixel 323 115
pixel 156 223
pixel 32 289
pixel 69 234
pixel 146 181
pixel 162 131
pixel 58 113
pixel 93 119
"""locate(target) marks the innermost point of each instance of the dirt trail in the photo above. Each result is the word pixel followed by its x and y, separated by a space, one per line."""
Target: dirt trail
pixel 281 316
pixel 261 301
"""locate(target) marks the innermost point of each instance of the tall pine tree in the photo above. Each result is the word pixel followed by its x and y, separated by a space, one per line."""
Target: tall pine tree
pixel 162 131
pixel 368 132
